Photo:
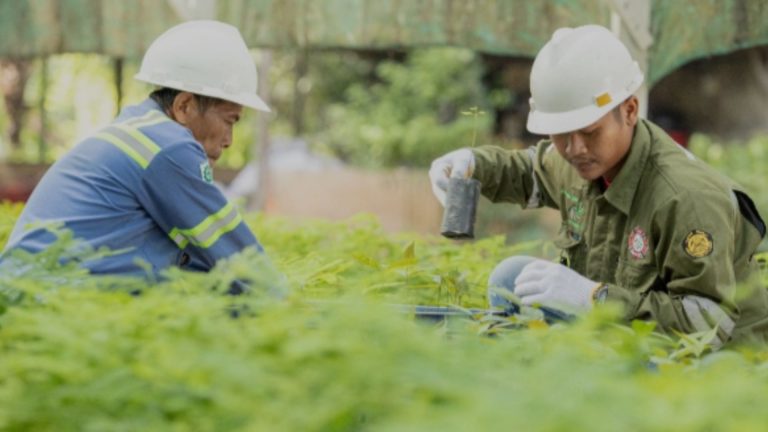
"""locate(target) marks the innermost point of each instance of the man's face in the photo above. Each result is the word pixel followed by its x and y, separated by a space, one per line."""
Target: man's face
pixel 599 149
pixel 213 127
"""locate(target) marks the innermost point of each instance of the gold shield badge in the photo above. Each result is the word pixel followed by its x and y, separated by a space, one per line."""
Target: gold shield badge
pixel 698 244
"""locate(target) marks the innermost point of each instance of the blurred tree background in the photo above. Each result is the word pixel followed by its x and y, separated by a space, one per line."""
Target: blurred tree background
pixel 373 110
pixel 400 109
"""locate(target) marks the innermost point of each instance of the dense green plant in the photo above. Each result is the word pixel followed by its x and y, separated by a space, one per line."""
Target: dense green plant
pixel 323 349
pixel 328 259
pixel 8 215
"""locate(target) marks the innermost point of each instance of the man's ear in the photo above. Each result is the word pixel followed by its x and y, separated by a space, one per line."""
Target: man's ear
pixel 184 107
pixel 631 108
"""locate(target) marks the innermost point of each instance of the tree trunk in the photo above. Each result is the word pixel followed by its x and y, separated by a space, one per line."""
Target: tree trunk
pixel 299 93
pixel 262 145
pixel 117 70
pixel 758 63
pixel 14 74
pixel 42 138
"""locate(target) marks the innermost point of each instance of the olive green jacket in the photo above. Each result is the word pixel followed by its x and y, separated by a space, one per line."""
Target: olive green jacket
pixel 672 238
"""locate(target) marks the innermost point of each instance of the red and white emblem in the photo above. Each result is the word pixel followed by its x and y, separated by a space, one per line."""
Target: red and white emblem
pixel 638 243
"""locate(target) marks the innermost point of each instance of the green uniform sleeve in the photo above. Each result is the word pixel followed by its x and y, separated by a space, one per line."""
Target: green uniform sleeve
pixel 695 287
pixel 525 177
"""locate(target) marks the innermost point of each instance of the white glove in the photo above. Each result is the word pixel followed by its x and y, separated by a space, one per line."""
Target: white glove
pixel 554 285
pixel 457 164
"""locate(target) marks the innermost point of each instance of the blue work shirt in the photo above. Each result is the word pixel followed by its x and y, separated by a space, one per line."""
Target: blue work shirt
pixel 143 184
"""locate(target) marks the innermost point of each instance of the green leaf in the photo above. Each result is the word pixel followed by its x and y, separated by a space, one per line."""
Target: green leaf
pixel 410 251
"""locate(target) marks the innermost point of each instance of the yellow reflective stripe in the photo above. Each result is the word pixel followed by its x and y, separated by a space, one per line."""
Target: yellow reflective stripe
pixel 127 137
pixel 178 238
pixel 140 137
pixel 127 149
pixel 132 142
pixel 207 232
pixel 222 228
pixel 146 116
pixel 152 117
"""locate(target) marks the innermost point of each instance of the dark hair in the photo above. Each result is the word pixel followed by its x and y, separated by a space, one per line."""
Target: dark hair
pixel 165 97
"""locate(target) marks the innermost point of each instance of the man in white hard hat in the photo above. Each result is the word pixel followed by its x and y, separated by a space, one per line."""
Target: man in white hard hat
pixel 644 223
pixel 143 185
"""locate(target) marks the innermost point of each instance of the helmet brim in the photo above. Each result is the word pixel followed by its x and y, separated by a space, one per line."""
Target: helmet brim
pixel 544 123
pixel 250 100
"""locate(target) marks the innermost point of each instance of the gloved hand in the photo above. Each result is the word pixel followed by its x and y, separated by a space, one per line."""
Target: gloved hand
pixel 554 285
pixel 458 164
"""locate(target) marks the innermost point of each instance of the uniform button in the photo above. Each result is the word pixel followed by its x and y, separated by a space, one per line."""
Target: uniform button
pixel 183 259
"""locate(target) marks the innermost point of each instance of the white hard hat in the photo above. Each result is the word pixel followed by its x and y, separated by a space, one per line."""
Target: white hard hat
pixel 578 76
pixel 208 58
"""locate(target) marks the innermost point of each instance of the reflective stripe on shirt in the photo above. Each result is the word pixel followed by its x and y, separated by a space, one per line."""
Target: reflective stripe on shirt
pixel 152 117
pixel 127 137
pixel 132 142
pixel 209 230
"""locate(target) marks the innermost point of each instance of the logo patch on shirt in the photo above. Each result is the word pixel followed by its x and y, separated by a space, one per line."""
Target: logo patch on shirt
pixel 698 244
pixel 206 173
pixel 637 242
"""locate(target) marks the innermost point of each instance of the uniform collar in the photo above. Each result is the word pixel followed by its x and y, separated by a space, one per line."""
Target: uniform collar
pixel 150 104
pixel 138 110
pixel 623 187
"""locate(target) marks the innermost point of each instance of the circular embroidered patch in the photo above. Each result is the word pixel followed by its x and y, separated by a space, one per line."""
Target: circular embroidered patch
pixel 637 243
pixel 206 173
pixel 698 244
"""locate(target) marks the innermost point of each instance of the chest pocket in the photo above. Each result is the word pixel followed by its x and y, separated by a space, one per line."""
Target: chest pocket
pixel 572 251
pixel 634 274
pixel 637 266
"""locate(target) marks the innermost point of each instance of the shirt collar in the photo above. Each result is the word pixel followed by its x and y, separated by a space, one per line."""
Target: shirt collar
pixel 138 110
pixel 150 104
pixel 624 185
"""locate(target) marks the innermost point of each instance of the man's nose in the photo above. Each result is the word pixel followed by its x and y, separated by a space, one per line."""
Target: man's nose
pixel 575 145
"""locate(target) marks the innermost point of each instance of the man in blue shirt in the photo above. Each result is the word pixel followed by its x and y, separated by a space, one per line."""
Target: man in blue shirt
pixel 143 185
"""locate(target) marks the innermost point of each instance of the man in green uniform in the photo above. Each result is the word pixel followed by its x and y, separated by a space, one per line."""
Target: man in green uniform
pixel 644 223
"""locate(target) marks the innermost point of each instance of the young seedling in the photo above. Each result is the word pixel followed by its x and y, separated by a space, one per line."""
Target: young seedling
pixel 475 112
